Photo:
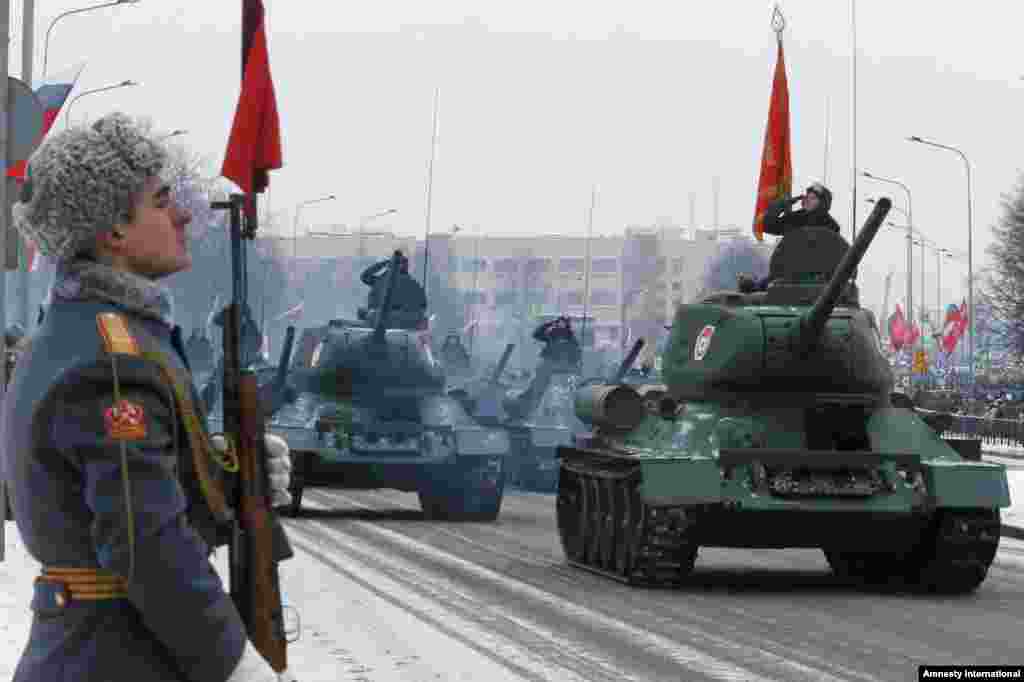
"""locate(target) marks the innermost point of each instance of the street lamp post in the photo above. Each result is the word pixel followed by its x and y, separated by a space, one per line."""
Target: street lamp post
pixel 295 221
pixel 122 84
pixel 46 45
pixel 174 133
pixel 910 229
pixel 362 226
pixel 970 244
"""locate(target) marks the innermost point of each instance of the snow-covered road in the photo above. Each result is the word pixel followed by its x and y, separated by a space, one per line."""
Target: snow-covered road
pixel 385 596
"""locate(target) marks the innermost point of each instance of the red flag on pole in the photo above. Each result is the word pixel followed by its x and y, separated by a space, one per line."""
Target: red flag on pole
pixel 255 143
pixel 776 179
pixel 897 329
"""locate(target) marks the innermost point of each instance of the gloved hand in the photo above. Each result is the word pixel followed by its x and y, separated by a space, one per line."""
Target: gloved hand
pixel 279 466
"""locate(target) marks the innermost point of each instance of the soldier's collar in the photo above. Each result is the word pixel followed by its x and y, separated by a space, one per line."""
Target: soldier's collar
pixel 81 280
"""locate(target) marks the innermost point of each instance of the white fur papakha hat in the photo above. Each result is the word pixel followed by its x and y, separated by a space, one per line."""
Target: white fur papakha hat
pixel 83 182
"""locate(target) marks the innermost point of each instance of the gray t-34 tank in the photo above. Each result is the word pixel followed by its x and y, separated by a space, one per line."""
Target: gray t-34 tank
pixel 371 412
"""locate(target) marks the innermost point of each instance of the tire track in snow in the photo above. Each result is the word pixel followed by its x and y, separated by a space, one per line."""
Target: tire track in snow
pixel 699 662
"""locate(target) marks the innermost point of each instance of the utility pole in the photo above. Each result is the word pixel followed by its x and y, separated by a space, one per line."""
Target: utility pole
pixel 27 43
pixel 5 212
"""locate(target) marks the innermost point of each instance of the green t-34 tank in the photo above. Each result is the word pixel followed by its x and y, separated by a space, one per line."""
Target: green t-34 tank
pixel 778 429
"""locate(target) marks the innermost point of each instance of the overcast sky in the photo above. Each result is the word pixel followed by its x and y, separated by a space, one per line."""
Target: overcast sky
pixel 540 100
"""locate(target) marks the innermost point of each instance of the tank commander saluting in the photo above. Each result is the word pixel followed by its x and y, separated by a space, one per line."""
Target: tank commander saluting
pixel 780 217
pixel 409 302
pixel 116 487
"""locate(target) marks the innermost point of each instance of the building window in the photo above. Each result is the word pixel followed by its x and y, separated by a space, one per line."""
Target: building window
pixel 475 297
pixel 574 298
pixel 506 266
pixel 677 266
pixel 603 297
pixel 536 266
pixel 571 264
pixel 538 295
pixel 605 265
pixel 472 265
pixel 506 297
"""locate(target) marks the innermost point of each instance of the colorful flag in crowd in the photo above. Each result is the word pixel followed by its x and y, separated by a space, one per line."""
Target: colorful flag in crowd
pixel 254 147
pixel 897 329
pixel 776 180
pixel 950 330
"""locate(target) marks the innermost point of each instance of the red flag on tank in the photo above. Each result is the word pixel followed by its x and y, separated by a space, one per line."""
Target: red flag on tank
pixel 776 180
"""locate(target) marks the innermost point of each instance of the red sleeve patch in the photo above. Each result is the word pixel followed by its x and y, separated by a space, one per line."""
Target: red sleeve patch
pixel 125 421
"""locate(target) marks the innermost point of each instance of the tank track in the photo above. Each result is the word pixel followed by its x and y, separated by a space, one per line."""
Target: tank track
pixel 952 558
pixel 606 528
pixel 962 549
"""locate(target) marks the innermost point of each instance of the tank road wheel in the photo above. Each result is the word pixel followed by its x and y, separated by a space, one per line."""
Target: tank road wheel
pixel 626 532
pixel 609 511
pixel 955 560
pixel 589 522
pixel 568 504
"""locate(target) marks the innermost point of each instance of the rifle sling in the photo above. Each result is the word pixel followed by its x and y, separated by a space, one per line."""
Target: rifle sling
pixel 198 439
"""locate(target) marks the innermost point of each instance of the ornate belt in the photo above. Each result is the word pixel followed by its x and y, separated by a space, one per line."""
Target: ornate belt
pixel 87 584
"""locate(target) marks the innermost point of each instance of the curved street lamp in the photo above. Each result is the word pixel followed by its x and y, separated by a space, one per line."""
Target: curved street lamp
pixel 910 229
pixel 295 222
pixel 362 227
pixel 67 114
pixel 46 45
pixel 970 246
pixel 171 134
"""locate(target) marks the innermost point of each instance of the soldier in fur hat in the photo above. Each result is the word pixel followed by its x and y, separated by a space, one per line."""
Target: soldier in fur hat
pixel 116 492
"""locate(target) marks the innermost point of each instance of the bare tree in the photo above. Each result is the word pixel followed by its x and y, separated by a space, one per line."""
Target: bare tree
pixel 1003 289
pixel 734 257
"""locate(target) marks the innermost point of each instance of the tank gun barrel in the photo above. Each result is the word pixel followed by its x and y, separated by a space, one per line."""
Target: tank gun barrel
pixel 500 369
pixel 813 323
pixel 628 361
pixel 278 393
pixel 382 315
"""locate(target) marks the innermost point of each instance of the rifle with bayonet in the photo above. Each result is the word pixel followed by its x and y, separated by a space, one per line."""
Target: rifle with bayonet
pixel 258 540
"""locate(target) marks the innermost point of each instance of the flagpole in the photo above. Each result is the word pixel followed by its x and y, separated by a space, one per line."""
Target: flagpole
pixel 853 131
pixel 824 173
pixel 586 284
pixel 430 193
pixel 27 45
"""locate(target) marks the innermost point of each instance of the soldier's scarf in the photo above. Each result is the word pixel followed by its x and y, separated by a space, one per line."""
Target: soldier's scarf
pixel 82 279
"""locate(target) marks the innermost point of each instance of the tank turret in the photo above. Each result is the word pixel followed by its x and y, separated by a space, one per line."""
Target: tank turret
pixel 806 335
pixel 353 361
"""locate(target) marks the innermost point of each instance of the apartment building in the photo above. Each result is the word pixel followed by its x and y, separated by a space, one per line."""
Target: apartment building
pixel 503 284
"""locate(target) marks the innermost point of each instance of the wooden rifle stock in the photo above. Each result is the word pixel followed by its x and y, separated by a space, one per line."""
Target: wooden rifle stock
pixel 255 584
pixel 265 617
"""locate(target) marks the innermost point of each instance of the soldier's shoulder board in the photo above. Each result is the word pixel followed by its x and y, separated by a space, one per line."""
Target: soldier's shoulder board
pixel 116 337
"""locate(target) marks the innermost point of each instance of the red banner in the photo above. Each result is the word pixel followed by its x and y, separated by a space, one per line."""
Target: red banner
pixel 255 143
pixel 776 180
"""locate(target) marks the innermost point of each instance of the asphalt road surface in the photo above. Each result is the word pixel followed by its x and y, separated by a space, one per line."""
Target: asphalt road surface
pixel 503 591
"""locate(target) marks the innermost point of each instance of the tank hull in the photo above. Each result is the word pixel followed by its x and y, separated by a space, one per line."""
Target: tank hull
pixel 904 506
